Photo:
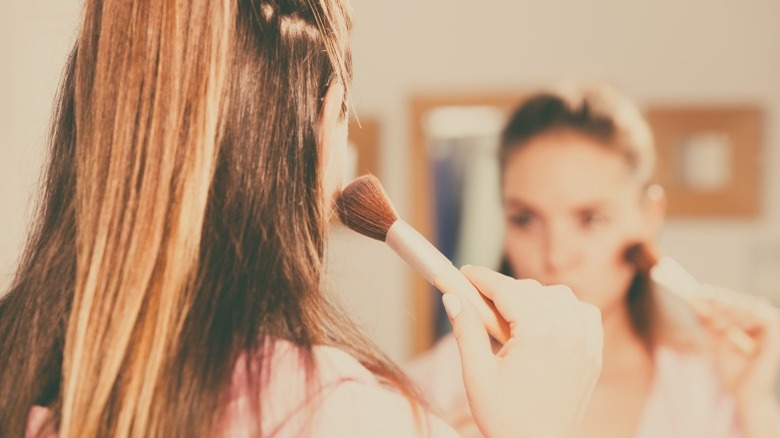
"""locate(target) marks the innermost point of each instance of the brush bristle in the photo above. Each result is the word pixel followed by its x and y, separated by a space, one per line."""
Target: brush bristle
pixel 364 207
pixel 642 255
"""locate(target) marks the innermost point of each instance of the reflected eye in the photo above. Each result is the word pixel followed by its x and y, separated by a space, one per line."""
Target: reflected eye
pixel 522 220
pixel 591 219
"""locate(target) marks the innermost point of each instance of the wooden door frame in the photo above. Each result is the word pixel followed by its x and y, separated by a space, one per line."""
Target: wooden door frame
pixel 421 216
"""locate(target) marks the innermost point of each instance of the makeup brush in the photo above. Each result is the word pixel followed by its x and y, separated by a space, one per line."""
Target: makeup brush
pixel 669 274
pixel 364 207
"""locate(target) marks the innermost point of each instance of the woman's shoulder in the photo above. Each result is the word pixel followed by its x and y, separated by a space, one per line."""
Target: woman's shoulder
pixel 288 378
pixel 687 397
pixel 285 363
pixel 438 375
pixel 692 374
pixel 332 364
pixel 341 398
pixel 686 367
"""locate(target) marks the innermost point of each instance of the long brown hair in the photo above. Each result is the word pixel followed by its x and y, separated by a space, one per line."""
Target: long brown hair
pixel 182 217
pixel 601 113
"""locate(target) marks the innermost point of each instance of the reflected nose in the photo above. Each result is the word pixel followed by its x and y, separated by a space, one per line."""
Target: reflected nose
pixel 559 249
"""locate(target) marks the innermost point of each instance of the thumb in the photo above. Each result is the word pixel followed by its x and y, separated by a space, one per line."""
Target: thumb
pixel 476 354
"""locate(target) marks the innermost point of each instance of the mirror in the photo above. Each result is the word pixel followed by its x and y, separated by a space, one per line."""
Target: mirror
pixel 708 162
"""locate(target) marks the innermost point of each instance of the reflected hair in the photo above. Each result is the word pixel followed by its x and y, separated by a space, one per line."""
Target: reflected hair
pixel 596 111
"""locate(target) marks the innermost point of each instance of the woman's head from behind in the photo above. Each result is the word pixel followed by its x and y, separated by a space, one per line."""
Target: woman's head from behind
pixel 576 166
pixel 196 138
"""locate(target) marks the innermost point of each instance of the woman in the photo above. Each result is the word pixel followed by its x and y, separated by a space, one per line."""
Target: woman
pixel 173 282
pixel 576 167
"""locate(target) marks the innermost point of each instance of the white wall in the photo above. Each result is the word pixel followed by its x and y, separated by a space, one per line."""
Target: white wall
pixel 664 51
pixel 36 37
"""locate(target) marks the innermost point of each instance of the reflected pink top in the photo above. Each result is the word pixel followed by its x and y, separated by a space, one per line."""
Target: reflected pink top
pixel 348 401
pixel 686 399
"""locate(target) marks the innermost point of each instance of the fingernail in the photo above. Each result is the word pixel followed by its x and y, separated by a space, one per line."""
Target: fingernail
pixel 466 268
pixel 451 305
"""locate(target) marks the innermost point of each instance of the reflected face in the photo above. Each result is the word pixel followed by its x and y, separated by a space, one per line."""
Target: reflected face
pixel 571 206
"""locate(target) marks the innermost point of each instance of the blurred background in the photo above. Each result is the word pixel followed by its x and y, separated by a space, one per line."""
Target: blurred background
pixel 663 54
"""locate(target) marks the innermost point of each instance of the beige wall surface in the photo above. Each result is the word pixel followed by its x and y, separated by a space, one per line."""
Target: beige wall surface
pixel 659 52
pixel 36 38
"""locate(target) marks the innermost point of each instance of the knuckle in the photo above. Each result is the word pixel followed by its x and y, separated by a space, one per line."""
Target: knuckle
pixel 592 312
pixel 528 283
pixel 563 291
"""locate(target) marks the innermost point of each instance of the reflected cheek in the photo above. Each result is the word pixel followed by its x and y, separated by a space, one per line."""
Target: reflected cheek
pixel 600 253
pixel 604 278
pixel 524 254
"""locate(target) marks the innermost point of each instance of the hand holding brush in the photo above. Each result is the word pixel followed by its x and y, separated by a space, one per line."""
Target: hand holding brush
pixel 540 382
pixel 669 274
pixel 744 335
pixel 364 207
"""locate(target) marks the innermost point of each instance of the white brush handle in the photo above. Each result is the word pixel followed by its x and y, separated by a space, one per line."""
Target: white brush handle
pixel 420 254
pixel 673 277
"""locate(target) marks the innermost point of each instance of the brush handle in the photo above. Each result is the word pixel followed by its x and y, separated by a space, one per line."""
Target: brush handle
pixel 668 273
pixel 420 254
pixel 451 280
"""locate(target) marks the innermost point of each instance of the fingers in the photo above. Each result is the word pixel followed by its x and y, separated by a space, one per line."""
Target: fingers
pixel 553 335
pixel 490 283
pixel 516 300
pixel 722 308
pixel 545 311
pixel 520 301
pixel 741 319
pixel 473 341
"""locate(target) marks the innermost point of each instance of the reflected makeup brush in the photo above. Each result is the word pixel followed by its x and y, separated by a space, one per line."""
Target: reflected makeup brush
pixel 669 274
pixel 364 207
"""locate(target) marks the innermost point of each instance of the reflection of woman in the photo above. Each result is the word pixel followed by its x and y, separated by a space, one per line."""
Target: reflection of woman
pixel 172 286
pixel 575 169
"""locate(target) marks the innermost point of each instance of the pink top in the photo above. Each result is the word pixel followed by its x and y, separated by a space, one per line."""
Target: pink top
pixel 349 401
pixel 686 398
